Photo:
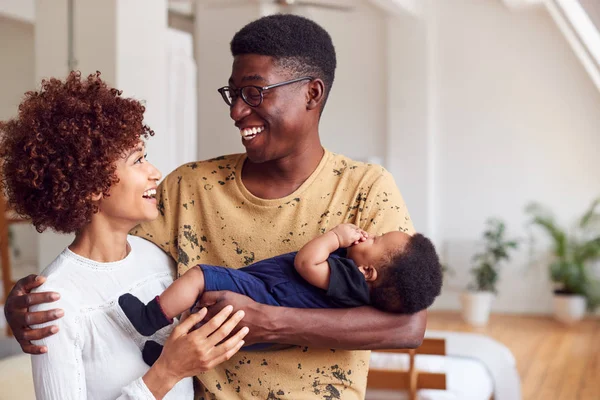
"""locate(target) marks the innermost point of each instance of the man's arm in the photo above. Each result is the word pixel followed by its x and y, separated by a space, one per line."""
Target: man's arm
pixel 360 328
pixel 19 318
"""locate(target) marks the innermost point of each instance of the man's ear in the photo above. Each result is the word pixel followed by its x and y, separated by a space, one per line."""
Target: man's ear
pixel 369 272
pixel 316 94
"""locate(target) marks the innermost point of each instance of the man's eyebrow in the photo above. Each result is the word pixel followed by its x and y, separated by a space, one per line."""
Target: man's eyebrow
pixel 247 78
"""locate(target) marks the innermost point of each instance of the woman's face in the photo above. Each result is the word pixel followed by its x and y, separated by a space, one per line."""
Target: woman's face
pixel 132 200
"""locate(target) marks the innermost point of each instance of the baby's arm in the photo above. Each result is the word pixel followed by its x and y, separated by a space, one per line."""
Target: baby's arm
pixel 311 260
pixel 182 293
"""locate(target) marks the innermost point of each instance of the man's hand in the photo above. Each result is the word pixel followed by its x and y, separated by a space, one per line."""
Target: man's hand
pixel 349 234
pixel 19 318
pixel 256 319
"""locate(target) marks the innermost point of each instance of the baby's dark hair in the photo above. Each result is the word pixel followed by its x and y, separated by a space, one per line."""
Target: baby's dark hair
pixel 411 280
pixel 297 44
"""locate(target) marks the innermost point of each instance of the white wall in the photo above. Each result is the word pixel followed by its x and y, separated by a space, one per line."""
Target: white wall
pixel 354 120
pixel 214 29
pixel 16 68
pixel 182 97
pixel 407 112
pixel 22 10
pixel 517 120
pixel 16 77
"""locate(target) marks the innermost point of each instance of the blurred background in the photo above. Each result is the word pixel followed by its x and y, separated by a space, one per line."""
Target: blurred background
pixel 477 108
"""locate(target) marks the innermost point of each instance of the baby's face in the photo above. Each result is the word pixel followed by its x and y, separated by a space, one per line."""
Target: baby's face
pixel 371 251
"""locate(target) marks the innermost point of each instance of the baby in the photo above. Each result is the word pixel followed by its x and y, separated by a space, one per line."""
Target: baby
pixel 345 267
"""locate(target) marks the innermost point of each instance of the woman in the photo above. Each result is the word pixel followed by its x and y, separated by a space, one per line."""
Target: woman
pixel 74 161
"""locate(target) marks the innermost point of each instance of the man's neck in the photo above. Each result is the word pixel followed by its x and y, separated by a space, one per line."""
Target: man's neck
pixel 280 178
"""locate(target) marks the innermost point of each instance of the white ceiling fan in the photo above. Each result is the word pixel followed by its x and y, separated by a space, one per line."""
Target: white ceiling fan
pixel 336 6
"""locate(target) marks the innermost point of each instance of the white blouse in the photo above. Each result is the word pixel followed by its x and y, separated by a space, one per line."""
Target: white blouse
pixel 97 353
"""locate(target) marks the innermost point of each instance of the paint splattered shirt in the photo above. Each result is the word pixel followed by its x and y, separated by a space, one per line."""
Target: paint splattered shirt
pixel 207 216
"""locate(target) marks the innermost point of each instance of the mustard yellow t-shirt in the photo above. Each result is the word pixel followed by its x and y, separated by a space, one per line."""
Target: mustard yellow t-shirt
pixel 207 216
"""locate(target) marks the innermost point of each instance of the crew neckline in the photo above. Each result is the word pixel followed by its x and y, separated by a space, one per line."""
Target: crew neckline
pixel 87 262
pixel 276 202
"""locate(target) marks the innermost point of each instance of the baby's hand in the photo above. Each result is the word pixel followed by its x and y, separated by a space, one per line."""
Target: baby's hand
pixel 349 234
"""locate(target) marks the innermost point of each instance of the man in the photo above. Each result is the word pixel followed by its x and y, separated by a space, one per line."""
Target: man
pixel 285 190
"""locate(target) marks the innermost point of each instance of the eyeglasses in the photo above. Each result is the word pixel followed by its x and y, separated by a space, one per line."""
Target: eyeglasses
pixel 253 95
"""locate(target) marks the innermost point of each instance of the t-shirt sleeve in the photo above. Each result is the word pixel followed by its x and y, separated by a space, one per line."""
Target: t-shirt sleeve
pixel 347 285
pixel 384 208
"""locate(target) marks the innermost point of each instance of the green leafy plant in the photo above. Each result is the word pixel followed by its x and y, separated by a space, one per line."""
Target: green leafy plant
pixel 486 263
pixel 572 252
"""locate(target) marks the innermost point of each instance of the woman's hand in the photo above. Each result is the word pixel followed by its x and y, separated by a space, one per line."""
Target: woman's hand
pixel 187 353
pixel 19 317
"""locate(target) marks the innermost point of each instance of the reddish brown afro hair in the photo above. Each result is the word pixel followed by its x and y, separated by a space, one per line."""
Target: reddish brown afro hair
pixel 62 148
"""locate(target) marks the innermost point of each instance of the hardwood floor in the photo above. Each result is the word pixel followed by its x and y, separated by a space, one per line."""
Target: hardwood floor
pixel 555 362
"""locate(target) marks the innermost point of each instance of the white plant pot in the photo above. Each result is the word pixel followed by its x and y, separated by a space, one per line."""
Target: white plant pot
pixel 569 308
pixel 476 307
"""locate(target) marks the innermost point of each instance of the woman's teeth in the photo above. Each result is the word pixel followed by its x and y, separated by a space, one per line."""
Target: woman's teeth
pixel 250 133
pixel 149 194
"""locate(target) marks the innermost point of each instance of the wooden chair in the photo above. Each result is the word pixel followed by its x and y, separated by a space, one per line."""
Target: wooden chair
pixel 7 218
pixel 412 379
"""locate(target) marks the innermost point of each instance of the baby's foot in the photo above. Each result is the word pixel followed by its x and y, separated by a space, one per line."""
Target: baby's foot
pixel 146 319
pixel 151 352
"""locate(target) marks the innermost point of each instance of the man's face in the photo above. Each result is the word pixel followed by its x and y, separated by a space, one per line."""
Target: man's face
pixel 280 124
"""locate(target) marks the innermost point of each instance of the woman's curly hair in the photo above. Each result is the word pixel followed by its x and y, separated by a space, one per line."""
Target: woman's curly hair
pixel 62 148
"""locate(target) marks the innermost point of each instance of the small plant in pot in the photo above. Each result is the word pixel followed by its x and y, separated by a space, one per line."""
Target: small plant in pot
pixel 477 300
pixel 572 253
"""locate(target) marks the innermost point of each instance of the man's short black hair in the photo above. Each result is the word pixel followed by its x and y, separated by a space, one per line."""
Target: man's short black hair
pixel 296 43
pixel 412 279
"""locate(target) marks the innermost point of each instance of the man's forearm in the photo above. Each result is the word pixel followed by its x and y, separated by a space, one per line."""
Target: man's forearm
pixel 360 328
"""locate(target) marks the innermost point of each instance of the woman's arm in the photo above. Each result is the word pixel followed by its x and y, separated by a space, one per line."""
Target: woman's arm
pixel 60 373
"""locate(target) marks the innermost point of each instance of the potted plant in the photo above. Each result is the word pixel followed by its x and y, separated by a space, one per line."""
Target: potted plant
pixel 477 300
pixel 572 252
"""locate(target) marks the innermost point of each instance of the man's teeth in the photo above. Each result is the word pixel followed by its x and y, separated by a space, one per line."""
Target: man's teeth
pixel 249 133
pixel 150 193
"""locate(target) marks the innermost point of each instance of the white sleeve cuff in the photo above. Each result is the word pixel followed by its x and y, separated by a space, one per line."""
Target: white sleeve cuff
pixel 136 390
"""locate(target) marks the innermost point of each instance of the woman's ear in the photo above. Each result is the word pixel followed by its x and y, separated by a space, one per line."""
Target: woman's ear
pixel 369 272
pixel 96 197
pixel 316 94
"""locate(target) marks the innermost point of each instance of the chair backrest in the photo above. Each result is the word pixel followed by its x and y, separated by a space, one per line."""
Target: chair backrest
pixel 411 379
